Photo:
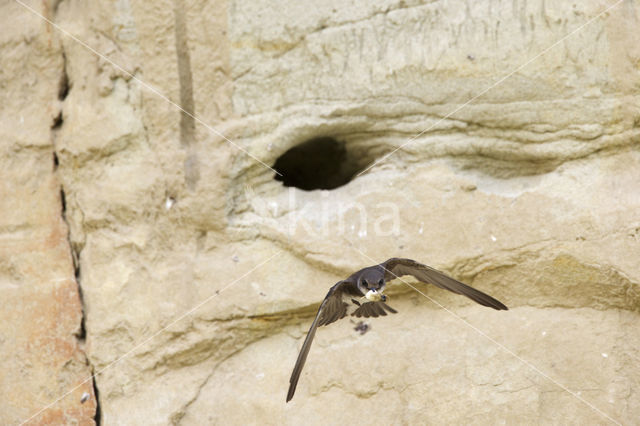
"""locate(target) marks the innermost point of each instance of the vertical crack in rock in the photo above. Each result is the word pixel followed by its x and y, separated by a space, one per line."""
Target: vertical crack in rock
pixel 187 121
pixel 63 91
pixel 57 122
pixel 98 416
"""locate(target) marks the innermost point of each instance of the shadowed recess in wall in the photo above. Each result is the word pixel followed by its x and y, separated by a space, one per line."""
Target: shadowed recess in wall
pixel 320 163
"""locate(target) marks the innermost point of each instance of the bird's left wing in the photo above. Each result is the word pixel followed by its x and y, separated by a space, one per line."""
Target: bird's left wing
pixel 332 308
pixel 397 267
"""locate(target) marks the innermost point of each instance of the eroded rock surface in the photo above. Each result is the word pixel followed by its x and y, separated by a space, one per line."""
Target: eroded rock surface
pixel 200 273
pixel 41 335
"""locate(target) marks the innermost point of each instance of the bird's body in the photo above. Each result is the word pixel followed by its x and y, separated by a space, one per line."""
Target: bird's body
pixel 361 295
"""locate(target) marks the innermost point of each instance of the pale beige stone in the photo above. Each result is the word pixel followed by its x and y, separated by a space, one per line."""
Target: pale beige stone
pixel 425 365
pixel 201 274
pixel 41 355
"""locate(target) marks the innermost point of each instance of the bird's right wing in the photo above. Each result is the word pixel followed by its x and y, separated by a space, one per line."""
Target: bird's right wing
pixel 332 308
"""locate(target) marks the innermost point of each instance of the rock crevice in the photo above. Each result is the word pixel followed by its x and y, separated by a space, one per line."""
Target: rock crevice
pixel 81 335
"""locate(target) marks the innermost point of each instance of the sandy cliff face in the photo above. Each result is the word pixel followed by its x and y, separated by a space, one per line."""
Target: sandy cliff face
pixel 200 273
pixel 41 330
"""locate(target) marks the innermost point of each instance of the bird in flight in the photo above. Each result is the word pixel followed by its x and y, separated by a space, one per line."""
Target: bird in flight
pixel 361 295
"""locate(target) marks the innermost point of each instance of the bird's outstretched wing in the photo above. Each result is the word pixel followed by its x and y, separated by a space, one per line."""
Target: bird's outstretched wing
pixel 332 308
pixel 396 267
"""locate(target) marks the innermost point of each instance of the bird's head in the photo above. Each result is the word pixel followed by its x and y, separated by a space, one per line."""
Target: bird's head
pixel 371 283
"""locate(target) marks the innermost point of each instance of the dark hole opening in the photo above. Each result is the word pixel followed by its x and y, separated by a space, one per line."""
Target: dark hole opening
pixel 319 163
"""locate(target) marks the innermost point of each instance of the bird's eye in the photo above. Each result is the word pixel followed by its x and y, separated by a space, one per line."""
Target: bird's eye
pixel 365 284
pixel 380 283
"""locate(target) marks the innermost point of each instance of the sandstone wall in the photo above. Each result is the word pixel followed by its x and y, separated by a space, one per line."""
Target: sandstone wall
pixel 200 274
pixel 41 322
